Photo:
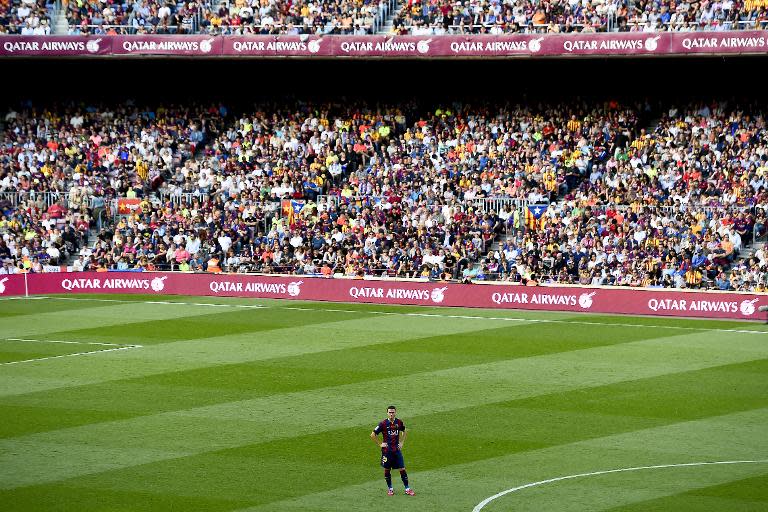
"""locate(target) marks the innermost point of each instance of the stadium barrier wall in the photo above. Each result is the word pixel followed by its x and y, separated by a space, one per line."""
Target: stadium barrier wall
pixel 513 45
pixel 544 298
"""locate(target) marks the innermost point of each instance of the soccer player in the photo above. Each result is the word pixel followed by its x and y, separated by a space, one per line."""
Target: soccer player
pixel 392 430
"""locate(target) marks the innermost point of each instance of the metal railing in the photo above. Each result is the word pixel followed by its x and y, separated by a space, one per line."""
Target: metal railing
pixel 609 25
pixel 334 200
pixel 104 28
pixel 696 26
pixel 48 198
pixel 303 29
pixel 493 204
pixel 177 199
pixel 497 204
pixel 708 209
pixel 475 28
pixel 385 11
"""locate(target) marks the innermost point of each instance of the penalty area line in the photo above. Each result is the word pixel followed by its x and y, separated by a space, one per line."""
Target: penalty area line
pixel 486 501
pixel 116 347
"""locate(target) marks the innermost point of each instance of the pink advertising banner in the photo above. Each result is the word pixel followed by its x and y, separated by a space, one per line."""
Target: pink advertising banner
pixel 11 286
pixel 576 299
pixel 507 46
pixel 55 46
pixel 755 41
pixel 278 46
pixel 193 46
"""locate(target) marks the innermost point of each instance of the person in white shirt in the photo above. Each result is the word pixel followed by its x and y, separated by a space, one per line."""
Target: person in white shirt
pixel 79 264
pixel 8 269
pixel 193 245
pixel 224 241
pixel 54 254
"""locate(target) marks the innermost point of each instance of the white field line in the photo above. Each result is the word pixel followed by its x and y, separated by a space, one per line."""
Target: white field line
pixel 486 501
pixel 117 346
pixel 250 306
pixel 426 315
pixel 73 342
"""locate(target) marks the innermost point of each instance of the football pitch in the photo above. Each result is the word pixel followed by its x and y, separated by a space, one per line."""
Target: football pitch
pixel 132 403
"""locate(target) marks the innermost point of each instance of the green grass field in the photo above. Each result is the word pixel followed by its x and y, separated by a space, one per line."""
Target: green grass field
pixel 267 406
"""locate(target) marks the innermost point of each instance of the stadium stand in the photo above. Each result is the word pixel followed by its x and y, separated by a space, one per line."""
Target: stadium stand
pixel 398 191
pixel 141 17
pixel 25 17
pixel 239 17
pixel 516 16
pixel 413 17
pixel 292 18
pixel 61 167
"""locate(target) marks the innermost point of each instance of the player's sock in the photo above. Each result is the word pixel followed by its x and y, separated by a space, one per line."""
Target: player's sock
pixel 404 476
pixel 388 478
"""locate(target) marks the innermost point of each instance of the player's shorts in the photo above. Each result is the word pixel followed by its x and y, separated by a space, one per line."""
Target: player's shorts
pixel 392 460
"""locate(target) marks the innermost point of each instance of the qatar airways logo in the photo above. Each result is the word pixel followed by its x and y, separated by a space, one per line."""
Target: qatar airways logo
pixel 436 295
pixel 206 46
pixel 168 45
pixel 652 44
pixel 746 308
pixel 294 288
pixel 611 45
pixel 255 287
pixel 585 300
pixel 261 46
pixel 714 43
pixel 547 299
pixel 2 284
pixel 504 46
pixel 389 45
pixel 156 284
pixel 46 45
pixel 93 45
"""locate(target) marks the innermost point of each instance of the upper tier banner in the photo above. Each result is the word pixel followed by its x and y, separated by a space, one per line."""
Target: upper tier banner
pixel 625 44
pixel 679 303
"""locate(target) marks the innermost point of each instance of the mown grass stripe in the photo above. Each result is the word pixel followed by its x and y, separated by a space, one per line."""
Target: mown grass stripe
pixel 743 495
pixel 480 506
pixel 287 415
pixel 17 308
pixel 275 341
pixel 210 385
pixel 46 323
pixel 459 487
pixel 508 429
pixel 512 316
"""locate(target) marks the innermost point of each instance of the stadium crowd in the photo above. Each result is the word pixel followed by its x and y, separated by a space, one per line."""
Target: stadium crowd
pixel 92 17
pixel 693 193
pixel 25 17
pixel 239 17
pixel 416 17
pixel 344 17
pixel 419 17
pixel 395 191
pixel 60 168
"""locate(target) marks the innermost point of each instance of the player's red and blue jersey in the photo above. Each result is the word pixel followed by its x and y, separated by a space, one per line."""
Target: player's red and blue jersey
pixel 390 431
